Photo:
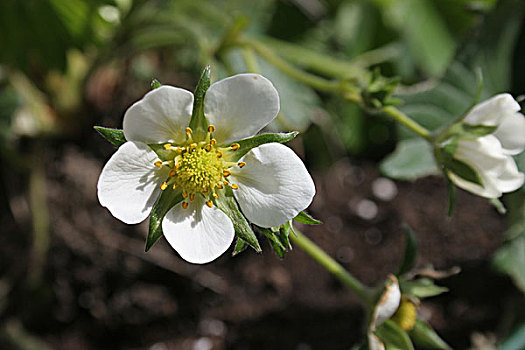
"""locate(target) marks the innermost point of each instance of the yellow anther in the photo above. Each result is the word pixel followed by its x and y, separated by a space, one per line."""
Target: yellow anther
pixel 235 186
pixel 235 146
pixel 226 183
pixel 185 205
pixel 213 142
pixel 209 203
pixel 193 146
pixel 188 131
pixel 241 164
pixel 167 146
pixel 158 163
pixel 192 197
pixel 164 185
pixel 215 195
pixel 226 173
pixel 205 191
pixel 172 173
pixel 211 128
pixel 207 148
pixel 175 186
pixel 185 194
pixel 219 154
pixel 219 186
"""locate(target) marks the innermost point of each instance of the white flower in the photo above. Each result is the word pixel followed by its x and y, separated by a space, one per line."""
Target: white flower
pixel 491 155
pixel 270 182
pixel 386 306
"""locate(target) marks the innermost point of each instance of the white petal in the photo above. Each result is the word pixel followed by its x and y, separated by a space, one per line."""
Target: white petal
pixel 510 178
pixel 511 133
pixel 388 303
pixel 129 183
pixel 199 234
pixel 488 191
pixel 161 116
pixel 483 153
pixel 274 185
pixel 240 106
pixel 492 110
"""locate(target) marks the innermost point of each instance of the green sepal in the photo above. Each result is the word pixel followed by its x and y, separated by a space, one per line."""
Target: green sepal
pixel 305 218
pixel 451 197
pixel 155 84
pixel 115 136
pixel 421 288
pixel 243 230
pixel 167 200
pixel 409 258
pixel 240 246
pixel 250 142
pixel 161 152
pixel 275 242
pixel 500 207
pixel 464 171
pixel 284 232
pixel 424 336
pixel 391 334
pixel 475 131
pixel 198 122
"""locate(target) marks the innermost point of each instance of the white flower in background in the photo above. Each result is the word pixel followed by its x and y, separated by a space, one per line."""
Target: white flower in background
pixel 270 182
pixel 491 155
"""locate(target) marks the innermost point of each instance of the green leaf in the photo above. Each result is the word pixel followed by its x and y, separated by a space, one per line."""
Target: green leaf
pixel 463 170
pixel 305 218
pixel 243 230
pixel 248 143
pixel 475 131
pixel 167 200
pixel 240 246
pixel 451 197
pixel 155 84
pixel 516 341
pixel 423 335
pixel 421 288
pixel 411 160
pixel 390 333
pixel 511 260
pixel 409 258
pixel 198 122
pixel 275 242
pixel 115 136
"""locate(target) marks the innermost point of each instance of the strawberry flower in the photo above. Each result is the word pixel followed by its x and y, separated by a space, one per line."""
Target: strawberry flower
pixel 269 182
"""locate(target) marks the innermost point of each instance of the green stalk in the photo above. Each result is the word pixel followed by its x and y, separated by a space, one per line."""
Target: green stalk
pixel 405 120
pixel 309 247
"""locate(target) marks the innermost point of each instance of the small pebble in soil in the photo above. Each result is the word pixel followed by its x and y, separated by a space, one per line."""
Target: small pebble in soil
pixel 203 343
pixel 384 189
pixel 373 236
pixel 345 254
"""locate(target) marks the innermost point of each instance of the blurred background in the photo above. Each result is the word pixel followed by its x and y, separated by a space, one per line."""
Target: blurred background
pixel 73 277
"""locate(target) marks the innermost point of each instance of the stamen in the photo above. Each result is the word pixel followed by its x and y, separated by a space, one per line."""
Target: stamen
pixel 235 186
pixel 219 154
pixel 207 148
pixel 172 173
pixel 185 194
pixel 235 146
pixel 167 146
pixel 219 186
pixel 226 183
pixel 175 186
pixel 215 195
pixel 226 173
pixel 213 142
pixel 241 164
pixel 164 185
pixel 209 203
pixel 211 128
pixel 192 197
pixel 185 205
pixel 188 131
pixel 158 164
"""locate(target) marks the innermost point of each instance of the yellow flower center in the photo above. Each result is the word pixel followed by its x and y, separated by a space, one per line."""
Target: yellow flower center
pixel 199 167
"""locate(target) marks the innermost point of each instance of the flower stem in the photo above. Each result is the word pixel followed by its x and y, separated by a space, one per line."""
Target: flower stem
pixel 319 255
pixel 405 120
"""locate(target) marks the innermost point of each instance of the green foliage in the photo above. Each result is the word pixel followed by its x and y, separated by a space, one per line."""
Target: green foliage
pixel 250 142
pixel 167 200
pixel 198 121
pixel 115 136
pixel 424 336
pixel 421 288
pixel 411 160
pixel 305 218
pixel 391 334
pixel 516 341
pixel 409 258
